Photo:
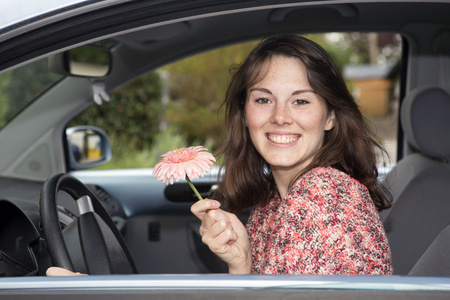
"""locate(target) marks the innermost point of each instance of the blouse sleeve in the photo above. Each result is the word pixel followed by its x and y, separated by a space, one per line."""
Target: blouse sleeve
pixel 334 228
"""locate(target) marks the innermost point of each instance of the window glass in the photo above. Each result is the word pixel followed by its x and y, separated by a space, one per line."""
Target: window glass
pixel 21 86
pixel 178 104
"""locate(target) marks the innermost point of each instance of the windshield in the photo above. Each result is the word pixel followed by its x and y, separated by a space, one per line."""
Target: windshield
pixel 20 87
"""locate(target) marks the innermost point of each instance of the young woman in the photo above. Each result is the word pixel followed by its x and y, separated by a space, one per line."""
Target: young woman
pixel 299 153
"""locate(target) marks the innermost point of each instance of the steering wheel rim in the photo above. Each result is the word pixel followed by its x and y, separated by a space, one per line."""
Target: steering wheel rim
pixel 103 249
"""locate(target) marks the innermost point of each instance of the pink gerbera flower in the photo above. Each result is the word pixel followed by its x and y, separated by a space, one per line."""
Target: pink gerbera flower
pixel 184 163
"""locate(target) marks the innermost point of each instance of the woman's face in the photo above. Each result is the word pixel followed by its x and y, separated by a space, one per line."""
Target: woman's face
pixel 286 119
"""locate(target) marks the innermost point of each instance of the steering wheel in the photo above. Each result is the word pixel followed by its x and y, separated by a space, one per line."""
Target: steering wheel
pixel 91 244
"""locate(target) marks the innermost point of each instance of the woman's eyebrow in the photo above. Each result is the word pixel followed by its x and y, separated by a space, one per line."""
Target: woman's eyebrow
pixel 302 91
pixel 267 91
pixel 261 90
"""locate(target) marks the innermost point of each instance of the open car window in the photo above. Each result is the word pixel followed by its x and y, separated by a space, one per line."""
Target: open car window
pixel 178 104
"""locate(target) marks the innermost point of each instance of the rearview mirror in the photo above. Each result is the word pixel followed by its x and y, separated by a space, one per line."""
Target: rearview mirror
pixel 84 61
pixel 87 147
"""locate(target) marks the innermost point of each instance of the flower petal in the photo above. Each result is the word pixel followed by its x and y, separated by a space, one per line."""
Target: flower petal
pixel 179 163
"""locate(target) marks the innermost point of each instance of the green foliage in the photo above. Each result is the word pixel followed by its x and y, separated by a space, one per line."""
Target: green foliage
pixel 21 86
pixel 124 157
pixel 4 100
pixel 197 88
pixel 135 115
pixel 339 49
pixel 90 54
pixel 131 117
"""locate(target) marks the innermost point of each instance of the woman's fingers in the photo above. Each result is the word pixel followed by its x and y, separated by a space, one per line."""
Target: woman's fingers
pixel 202 207
pixel 56 271
pixel 212 217
pixel 219 235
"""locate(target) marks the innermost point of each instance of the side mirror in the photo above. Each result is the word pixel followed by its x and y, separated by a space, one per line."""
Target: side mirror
pixel 84 61
pixel 87 147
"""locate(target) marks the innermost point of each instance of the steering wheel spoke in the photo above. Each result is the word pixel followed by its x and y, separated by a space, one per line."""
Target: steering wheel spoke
pixel 91 244
pixel 84 204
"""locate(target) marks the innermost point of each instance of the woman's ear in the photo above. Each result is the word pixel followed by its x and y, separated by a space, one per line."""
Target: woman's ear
pixel 330 121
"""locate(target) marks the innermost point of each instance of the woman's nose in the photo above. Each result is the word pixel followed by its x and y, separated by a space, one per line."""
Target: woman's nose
pixel 281 115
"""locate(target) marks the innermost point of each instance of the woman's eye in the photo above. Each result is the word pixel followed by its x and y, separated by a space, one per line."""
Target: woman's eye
pixel 301 102
pixel 262 100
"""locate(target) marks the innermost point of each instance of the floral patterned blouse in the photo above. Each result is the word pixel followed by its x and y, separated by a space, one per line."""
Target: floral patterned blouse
pixel 327 224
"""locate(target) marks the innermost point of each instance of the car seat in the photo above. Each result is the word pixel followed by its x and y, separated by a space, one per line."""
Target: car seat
pixel 420 186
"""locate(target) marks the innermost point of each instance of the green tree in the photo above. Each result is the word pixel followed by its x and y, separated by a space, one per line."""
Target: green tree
pixel 4 103
pixel 131 117
pixel 21 86
pixel 197 88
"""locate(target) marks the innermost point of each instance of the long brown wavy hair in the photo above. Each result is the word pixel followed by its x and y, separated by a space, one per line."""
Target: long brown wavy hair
pixel 246 179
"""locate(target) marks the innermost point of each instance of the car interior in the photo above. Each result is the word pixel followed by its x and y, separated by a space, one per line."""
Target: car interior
pixel 148 225
pixel 419 185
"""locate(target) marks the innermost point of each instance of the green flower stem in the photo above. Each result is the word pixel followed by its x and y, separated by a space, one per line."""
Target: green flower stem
pixel 193 188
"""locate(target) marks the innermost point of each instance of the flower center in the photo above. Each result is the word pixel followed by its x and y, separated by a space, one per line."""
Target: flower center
pixel 181 155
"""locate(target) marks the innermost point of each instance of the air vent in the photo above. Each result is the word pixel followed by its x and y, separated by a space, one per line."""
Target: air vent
pixel 109 203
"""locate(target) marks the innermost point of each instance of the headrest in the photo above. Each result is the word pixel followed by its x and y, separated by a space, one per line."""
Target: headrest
pixel 425 117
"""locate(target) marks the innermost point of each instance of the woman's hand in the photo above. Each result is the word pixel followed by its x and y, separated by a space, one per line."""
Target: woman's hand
pixel 56 271
pixel 225 235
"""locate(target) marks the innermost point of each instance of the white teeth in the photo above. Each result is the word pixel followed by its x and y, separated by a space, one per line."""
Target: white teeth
pixel 282 139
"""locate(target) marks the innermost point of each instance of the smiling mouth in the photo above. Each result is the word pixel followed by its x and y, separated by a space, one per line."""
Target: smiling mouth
pixel 283 139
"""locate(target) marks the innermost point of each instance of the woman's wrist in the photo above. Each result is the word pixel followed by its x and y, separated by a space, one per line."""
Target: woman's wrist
pixel 243 268
pixel 240 270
